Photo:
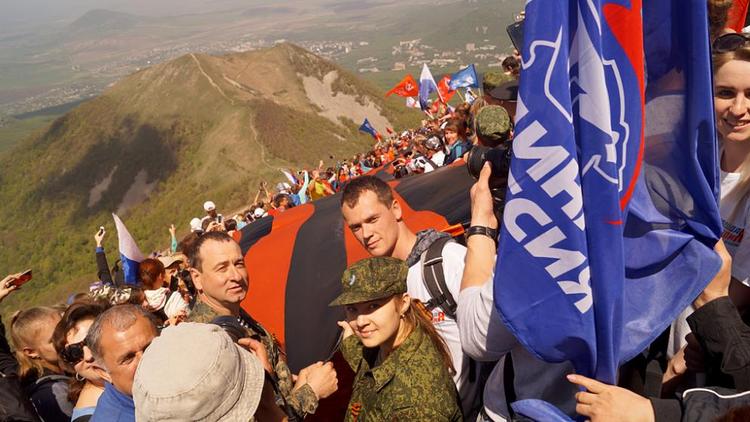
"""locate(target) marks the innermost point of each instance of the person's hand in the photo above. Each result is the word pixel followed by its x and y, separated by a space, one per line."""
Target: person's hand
pixel 7 285
pixel 321 377
pixel 347 328
pixel 176 319
pixel 99 236
pixel 676 367
pixel 673 375
pixel 482 213
pixel 215 227
pixel 172 230
pixel 255 347
pixel 695 359
pixel 719 286
pixel 609 403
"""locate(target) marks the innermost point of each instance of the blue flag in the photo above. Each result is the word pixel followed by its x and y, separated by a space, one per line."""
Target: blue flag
pixel 465 77
pixel 611 210
pixel 427 86
pixel 367 128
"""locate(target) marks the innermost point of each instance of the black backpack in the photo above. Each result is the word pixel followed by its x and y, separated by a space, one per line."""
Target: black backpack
pixel 434 278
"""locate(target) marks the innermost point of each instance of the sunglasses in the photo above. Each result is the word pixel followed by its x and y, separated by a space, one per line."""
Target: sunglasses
pixel 73 353
pixel 730 42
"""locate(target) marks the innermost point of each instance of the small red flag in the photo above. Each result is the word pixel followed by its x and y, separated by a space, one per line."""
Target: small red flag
pixel 738 14
pixel 408 87
pixel 389 130
pixel 445 91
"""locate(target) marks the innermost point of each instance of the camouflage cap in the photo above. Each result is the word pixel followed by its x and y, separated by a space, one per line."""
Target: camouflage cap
pixel 371 279
pixel 492 80
pixel 492 123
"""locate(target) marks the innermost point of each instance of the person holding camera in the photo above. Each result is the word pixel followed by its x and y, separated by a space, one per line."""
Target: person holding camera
pixel 518 374
pixel 168 305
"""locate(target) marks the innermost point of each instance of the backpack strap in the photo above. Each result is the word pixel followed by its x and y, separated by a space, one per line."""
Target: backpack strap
pixel 434 279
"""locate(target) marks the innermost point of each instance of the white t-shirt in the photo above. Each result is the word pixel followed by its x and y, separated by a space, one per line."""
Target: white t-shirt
pixel 453 269
pixel 485 338
pixel 735 239
pixel 438 158
pixel 422 163
pixel 737 245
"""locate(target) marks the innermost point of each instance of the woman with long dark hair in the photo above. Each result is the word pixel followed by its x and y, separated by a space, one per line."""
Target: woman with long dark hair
pixel 68 339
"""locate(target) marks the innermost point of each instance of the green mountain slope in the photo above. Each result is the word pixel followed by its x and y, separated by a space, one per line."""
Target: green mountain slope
pixel 160 142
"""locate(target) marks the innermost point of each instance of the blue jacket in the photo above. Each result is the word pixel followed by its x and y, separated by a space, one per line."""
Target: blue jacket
pixel 457 150
pixel 114 406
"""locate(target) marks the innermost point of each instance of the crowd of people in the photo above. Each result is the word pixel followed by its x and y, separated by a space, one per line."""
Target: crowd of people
pixel 421 333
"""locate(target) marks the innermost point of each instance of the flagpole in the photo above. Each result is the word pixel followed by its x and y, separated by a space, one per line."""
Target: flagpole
pixel 463 100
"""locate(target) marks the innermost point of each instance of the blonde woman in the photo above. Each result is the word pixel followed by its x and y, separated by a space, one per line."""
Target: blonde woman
pixel 43 380
pixel 731 63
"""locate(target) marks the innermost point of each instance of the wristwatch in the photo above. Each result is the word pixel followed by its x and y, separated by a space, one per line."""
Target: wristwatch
pixel 484 231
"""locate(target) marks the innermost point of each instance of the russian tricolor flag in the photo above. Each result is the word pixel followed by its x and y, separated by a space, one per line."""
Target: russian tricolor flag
pixel 427 86
pixel 130 255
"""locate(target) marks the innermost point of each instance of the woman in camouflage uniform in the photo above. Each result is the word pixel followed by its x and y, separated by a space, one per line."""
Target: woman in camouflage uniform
pixel 403 369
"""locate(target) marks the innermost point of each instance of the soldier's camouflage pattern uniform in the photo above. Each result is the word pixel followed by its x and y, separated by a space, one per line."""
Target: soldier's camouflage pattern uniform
pixel 297 403
pixel 412 384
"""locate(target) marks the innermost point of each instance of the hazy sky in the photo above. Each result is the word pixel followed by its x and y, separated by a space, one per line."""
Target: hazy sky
pixel 35 12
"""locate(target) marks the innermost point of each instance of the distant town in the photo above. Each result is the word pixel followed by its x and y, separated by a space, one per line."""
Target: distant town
pixel 407 55
pixel 412 54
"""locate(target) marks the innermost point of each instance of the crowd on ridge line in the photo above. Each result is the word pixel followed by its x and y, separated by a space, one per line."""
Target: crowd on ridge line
pixel 420 334
pixel 441 139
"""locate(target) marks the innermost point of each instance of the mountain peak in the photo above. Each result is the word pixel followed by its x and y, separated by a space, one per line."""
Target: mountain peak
pixel 172 135
pixel 103 19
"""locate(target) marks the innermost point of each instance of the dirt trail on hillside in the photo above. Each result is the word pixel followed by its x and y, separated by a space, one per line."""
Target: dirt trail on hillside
pixel 210 80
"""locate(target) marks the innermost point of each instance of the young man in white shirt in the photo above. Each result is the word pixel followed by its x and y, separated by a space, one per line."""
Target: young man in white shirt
pixel 375 218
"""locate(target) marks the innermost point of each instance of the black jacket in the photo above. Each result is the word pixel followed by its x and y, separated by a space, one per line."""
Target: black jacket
pixel 725 340
pixel 49 395
pixel 14 405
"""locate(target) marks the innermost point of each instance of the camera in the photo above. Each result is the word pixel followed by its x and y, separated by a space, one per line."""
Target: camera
pixel 499 159
pixel 187 280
